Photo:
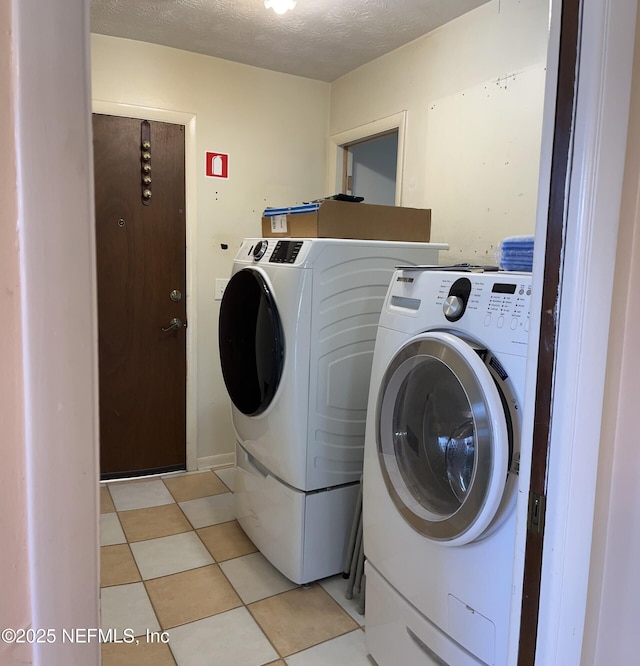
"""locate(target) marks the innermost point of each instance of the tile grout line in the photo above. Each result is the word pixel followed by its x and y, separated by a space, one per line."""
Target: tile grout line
pixel 142 580
pixel 316 583
pixel 217 563
pixel 144 583
pixel 243 604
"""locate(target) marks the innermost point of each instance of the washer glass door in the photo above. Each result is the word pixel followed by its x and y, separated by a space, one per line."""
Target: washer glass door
pixel 444 438
pixel 251 342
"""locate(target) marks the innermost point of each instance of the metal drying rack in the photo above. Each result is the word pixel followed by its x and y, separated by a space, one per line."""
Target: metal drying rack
pixel 353 569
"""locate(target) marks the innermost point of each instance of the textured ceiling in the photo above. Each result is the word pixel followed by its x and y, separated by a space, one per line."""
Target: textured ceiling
pixel 319 39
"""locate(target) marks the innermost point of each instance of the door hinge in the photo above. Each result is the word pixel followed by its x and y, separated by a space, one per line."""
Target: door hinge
pixel 537 511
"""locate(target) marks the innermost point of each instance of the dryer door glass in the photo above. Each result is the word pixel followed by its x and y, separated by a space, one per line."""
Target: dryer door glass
pixel 444 439
pixel 251 342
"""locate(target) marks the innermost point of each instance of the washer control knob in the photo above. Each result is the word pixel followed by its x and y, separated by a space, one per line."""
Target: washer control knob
pixel 453 308
pixel 260 249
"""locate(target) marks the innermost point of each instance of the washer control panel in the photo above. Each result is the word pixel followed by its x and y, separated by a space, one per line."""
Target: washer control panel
pixel 503 301
pixel 272 251
pixel 493 306
pixel 285 252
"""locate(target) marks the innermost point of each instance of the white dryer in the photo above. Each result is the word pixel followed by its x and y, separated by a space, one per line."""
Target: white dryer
pixel 441 463
pixel 297 328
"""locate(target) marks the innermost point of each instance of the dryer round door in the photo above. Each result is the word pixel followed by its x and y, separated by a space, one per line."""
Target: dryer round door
pixel 444 438
pixel 251 342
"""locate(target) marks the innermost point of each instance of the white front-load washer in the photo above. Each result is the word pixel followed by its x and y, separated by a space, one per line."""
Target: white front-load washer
pixel 441 462
pixel 298 323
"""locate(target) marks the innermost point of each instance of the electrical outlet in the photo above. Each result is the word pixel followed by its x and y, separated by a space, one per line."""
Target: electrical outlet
pixel 221 284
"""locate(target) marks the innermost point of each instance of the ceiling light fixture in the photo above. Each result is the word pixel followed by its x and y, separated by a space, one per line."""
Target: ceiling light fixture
pixel 280 6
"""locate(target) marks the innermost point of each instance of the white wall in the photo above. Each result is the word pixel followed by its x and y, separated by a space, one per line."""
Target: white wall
pixel 614 591
pixel 473 93
pixel 14 561
pixel 274 128
pixel 54 370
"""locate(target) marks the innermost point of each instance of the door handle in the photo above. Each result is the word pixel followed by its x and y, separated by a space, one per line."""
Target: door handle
pixel 174 325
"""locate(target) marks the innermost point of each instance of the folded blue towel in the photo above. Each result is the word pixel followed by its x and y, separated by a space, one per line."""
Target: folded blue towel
pixel 517 243
pixel 515 253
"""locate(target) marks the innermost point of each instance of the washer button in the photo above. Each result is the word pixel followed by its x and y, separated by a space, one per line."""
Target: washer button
pixel 500 321
pixel 487 320
pixel 514 324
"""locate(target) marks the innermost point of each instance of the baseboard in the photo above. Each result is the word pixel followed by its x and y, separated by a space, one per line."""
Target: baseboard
pixel 220 460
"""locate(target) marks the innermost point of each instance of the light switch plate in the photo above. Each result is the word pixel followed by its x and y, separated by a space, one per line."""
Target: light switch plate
pixel 221 284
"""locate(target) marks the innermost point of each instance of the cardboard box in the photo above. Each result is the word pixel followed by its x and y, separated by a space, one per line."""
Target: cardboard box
pixel 340 219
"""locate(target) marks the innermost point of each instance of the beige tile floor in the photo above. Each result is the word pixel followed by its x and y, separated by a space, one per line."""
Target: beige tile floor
pixel 176 562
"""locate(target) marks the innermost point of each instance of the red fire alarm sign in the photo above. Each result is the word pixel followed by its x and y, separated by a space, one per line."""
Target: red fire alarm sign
pixel 217 165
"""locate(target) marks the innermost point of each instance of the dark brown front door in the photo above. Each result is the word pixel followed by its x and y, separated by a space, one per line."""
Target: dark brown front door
pixel 141 274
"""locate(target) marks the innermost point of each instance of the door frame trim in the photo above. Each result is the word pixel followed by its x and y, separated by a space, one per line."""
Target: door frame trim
pixel 583 314
pixel 188 120
pixel 397 121
pixel 584 317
